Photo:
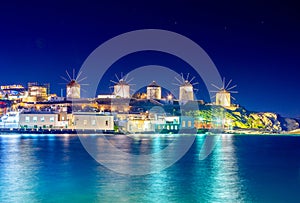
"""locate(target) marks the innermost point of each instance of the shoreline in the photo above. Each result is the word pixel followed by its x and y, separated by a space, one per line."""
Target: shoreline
pixel 247 132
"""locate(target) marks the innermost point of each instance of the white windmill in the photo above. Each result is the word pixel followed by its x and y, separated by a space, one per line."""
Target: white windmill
pixel 153 91
pixel 186 88
pixel 223 94
pixel 122 86
pixel 73 85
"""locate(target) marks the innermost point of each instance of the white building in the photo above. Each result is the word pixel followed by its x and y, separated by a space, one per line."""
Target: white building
pixel 92 121
pixel 10 120
pixel 42 120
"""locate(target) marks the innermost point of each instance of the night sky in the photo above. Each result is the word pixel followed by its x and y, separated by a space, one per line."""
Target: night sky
pixel 255 43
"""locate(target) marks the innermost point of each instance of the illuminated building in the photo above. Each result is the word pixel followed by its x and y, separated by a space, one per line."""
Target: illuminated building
pixel 153 91
pixel 37 92
pixel 13 92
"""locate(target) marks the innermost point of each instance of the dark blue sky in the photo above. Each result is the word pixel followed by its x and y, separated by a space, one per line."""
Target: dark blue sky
pixel 254 43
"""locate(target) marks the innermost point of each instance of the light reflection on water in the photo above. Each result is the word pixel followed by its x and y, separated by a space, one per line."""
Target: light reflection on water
pixel 58 169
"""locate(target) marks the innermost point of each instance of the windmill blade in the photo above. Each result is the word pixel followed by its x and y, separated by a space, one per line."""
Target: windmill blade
pixel 234 86
pixel 126 76
pixel 117 77
pixel 129 80
pixel 178 80
pixel 64 79
pixel 73 74
pixel 113 82
pixel 234 92
pixel 195 83
pixel 214 91
pixel 228 84
pixel 223 83
pixel 187 77
pixel 213 96
pixel 131 84
pixel 233 98
pixel 182 77
pixel 79 74
pixel 176 84
pixel 68 75
pixel 192 79
pixel 215 86
pixel 81 79
pixel 61 83
pixel 85 84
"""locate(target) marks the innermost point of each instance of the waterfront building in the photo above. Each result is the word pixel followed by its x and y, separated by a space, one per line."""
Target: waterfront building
pixel 153 91
pixel 42 120
pixel 10 120
pixel 175 124
pixel 140 126
pixel 92 121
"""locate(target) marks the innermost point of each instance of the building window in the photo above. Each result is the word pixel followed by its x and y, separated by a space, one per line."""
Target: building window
pixel 62 118
pixel 189 124
pixel 84 122
pixel 106 123
pixel 43 119
pixel 176 128
pixel 27 119
pixel 93 122
pixel 183 124
pixel 171 127
pixel 34 119
pixel 52 119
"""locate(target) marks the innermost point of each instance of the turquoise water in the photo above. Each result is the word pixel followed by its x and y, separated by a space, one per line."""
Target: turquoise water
pixel 239 169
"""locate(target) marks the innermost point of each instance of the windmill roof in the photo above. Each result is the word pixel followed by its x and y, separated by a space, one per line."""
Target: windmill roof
pixel 186 83
pixel 122 82
pixel 153 84
pixel 73 83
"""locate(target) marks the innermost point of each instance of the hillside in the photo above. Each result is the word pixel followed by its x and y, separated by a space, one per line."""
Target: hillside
pixel 240 118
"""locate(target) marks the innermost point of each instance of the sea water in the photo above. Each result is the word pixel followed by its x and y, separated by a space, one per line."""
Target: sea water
pixel 49 168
